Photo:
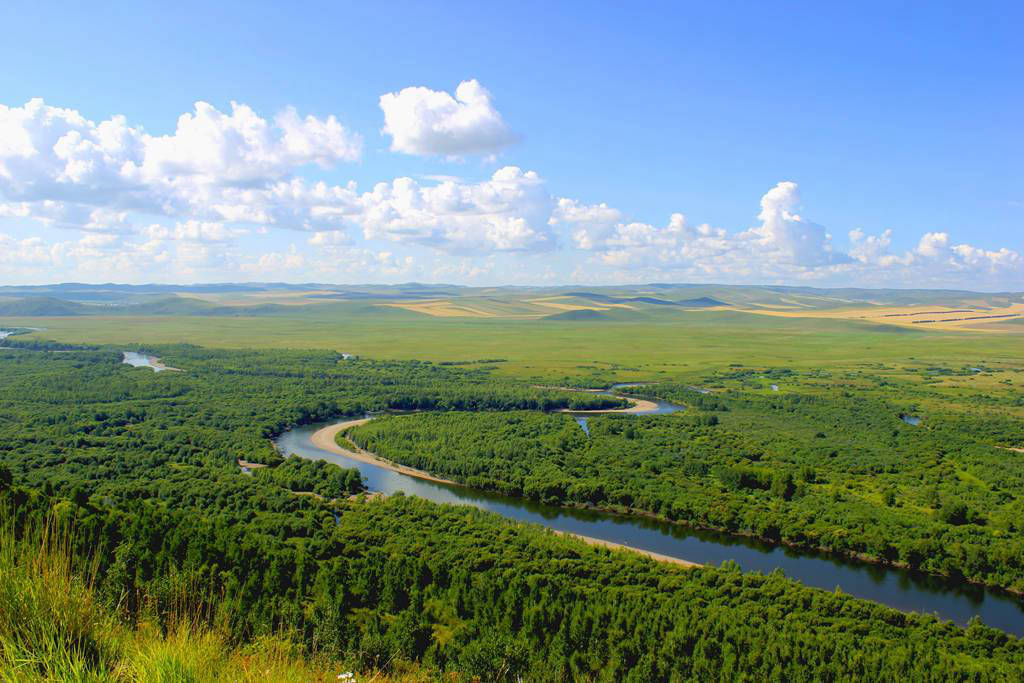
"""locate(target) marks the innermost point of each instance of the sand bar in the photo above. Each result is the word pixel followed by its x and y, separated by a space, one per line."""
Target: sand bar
pixel 639 405
pixel 325 439
pixel 611 545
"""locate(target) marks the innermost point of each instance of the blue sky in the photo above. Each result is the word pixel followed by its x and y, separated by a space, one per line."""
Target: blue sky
pixel 775 129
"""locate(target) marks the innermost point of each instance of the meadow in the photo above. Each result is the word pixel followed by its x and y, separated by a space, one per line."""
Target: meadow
pixel 681 343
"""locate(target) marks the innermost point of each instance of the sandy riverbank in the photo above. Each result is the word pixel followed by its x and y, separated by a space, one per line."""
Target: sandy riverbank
pixel 325 439
pixel 640 405
pixel 250 465
pixel 590 540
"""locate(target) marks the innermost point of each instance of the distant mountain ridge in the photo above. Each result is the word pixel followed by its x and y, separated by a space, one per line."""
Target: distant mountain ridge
pixel 41 306
pixel 626 302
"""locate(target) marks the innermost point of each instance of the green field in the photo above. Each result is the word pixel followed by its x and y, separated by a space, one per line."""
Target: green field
pixel 683 344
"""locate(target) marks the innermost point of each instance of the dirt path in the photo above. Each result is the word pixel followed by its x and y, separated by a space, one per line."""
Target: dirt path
pixel 324 438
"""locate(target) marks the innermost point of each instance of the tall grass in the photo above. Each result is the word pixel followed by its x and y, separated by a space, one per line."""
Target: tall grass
pixel 55 627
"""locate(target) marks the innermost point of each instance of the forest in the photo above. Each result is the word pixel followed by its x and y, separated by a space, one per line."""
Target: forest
pixel 826 464
pixel 459 590
pixel 144 467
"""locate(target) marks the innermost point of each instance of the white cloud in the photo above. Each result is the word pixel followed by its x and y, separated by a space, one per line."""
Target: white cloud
pixel 508 212
pixel 464 269
pixel 636 244
pixel 117 202
pixel 429 122
pixel 785 246
pixel 359 265
pixel 57 166
pixel 934 259
pixel 787 238
pixel 271 264
pixel 192 231
pixel 328 238
pixel 212 147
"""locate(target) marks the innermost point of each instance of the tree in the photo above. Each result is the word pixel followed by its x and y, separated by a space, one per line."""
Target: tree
pixel 783 485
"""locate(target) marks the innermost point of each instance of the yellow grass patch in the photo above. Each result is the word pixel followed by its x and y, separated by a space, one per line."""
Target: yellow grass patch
pixel 569 307
pixel 548 302
pixel 284 298
pixel 442 309
pixel 923 317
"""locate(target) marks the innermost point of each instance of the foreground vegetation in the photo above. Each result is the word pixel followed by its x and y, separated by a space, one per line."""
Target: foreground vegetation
pixel 57 624
pixel 401 580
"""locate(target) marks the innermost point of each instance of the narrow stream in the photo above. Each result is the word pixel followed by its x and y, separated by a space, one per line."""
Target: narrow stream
pixel 902 589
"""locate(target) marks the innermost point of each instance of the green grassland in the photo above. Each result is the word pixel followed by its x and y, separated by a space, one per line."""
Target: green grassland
pixel 636 332
pixel 676 342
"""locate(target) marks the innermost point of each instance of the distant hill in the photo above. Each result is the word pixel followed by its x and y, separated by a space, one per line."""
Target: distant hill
pixel 606 299
pixel 41 306
pixel 44 306
pixel 411 300
pixel 582 314
pixel 702 302
pixel 171 305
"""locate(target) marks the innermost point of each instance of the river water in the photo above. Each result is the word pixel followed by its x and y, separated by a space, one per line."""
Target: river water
pixel 904 590
pixel 141 360
pixel 662 407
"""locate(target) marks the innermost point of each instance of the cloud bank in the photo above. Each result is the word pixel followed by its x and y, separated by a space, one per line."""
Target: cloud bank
pixel 228 195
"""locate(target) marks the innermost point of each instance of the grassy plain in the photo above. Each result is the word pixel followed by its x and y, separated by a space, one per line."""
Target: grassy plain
pixel 679 343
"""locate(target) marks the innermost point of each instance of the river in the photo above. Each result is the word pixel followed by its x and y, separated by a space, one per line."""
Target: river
pixel 902 589
pixel 141 360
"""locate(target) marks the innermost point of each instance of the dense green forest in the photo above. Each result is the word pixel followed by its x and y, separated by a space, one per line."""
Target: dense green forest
pixel 826 463
pixel 143 465
pixel 461 590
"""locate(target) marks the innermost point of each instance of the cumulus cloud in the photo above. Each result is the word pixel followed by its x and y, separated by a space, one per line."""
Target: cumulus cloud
pixel 429 122
pixel 57 166
pixel 356 263
pixel 238 148
pixel 185 205
pixel 105 255
pixel 642 245
pixel 220 169
pixel 787 238
pixel 933 259
pixel 508 212
pixel 784 246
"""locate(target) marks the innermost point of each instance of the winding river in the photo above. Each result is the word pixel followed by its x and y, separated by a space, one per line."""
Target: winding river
pixel 902 589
